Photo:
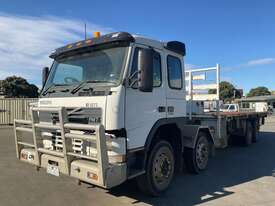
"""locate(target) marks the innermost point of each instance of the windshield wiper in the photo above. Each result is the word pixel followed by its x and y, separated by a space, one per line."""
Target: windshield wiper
pixel 84 83
pixel 48 90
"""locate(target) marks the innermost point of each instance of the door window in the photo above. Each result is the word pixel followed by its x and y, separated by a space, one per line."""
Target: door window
pixel 156 69
pixel 174 72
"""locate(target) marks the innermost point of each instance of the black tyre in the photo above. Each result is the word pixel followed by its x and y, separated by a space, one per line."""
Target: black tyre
pixel 159 170
pixel 255 132
pixel 248 138
pixel 196 159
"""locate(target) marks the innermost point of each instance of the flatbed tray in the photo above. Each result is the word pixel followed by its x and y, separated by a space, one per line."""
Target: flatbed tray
pixel 237 114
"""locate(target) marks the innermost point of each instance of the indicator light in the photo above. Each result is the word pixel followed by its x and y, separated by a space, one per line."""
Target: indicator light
pixel 92 176
pixel 24 156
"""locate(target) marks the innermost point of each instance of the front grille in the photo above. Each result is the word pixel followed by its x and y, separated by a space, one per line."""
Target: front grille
pixel 83 147
pixel 75 115
pixel 53 142
pixel 57 143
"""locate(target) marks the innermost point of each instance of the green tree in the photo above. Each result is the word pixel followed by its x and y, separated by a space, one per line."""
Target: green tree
pixel 18 87
pixel 258 91
pixel 227 91
pixel 1 88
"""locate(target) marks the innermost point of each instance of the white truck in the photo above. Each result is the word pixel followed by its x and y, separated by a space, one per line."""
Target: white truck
pixel 229 108
pixel 113 108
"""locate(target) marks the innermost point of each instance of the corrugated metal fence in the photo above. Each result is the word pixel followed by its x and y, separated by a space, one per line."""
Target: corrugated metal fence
pixel 14 108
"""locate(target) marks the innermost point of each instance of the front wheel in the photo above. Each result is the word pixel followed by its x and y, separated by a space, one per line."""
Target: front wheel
pixel 196 159
pixel 159 169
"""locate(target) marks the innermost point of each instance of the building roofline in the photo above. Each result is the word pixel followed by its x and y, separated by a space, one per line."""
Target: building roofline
pixel 257 98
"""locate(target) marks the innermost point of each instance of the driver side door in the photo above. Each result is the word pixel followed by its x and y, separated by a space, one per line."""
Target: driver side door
pixel 144 109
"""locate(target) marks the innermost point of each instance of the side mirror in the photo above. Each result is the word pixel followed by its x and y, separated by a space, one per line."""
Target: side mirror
pixel 45 74
pixel 145 70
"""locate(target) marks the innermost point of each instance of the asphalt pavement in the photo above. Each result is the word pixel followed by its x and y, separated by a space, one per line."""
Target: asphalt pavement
pixel 235 176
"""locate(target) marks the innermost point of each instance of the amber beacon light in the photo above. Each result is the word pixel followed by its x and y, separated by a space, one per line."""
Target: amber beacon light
pixel 96 34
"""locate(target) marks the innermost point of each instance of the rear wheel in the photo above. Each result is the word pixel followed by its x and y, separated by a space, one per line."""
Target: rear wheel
pixel 196 159
pixel 248 138
pixel 159 169
pixel 255 131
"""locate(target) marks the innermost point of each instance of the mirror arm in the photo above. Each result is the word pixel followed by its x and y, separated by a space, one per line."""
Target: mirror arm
pixel 132 75
pixel 130 78
pixel 132 84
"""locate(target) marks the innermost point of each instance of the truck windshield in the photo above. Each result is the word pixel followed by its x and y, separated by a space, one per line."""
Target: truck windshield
pixel 224 106
pixel 100 66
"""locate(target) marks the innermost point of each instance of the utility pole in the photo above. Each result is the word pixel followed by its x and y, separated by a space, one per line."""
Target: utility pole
pixel 85 31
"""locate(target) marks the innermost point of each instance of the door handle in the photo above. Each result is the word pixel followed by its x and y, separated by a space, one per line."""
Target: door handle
pixel 170 109
pixel 161 109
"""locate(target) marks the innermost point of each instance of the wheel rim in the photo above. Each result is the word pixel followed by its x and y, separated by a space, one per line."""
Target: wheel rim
pixel 202 153
pixel 163 168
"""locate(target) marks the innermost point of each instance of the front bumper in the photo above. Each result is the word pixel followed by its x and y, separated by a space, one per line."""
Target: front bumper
pixel 93 168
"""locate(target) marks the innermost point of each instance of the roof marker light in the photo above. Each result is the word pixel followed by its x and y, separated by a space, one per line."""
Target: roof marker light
pixel 96 34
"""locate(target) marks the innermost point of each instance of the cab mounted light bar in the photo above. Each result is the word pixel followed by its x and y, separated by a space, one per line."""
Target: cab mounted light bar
pixel 98 40
pixel 116 37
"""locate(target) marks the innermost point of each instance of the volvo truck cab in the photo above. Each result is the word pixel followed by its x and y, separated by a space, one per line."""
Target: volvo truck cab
pixel 113 108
